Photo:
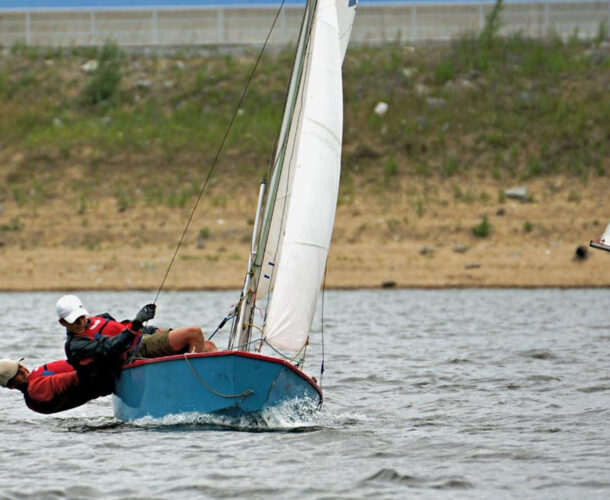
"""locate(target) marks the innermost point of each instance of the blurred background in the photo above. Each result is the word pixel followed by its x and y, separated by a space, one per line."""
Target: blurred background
pixel 476 141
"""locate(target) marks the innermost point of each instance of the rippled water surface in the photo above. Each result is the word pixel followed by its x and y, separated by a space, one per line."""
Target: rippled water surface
pixel 428 394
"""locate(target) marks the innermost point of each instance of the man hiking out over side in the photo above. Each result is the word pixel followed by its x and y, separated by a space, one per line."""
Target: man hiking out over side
pixel 52 387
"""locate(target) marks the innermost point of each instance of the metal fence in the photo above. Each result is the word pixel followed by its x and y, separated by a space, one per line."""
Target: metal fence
pixel 411 22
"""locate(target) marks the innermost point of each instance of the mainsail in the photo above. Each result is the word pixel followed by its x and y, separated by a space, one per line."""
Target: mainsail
pixel 274 222
pixel 308 163
pixel 285 160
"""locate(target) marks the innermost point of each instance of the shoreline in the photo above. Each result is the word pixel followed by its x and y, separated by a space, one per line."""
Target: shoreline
pixel 482 267
pixel 530 245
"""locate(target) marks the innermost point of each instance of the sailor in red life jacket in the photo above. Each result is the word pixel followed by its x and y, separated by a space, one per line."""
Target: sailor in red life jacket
pixel 50 388
pixel 99 345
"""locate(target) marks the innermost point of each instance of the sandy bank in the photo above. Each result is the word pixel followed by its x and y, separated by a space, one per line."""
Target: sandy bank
pixel 389 238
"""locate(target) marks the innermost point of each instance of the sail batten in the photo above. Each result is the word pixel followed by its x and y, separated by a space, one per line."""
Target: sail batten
pixel 310 244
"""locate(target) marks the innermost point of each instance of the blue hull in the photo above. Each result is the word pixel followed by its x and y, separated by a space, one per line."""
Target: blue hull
pixel 231 383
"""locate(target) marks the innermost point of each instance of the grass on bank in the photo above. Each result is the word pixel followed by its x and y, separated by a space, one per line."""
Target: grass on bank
pixel 510 108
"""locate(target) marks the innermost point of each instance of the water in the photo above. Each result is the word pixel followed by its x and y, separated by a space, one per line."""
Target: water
pixel 428 394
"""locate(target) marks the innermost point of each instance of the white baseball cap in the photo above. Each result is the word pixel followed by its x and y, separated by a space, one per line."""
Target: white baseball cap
pixel 70 308
pixel 8 369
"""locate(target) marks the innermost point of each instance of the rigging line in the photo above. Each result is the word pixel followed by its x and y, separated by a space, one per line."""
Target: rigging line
pixel 242 395
pixel 222 324
pixel 287 358
pixel 322 321
pixel 222 143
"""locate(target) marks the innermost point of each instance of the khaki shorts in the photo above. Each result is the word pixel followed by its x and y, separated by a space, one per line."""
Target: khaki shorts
pixel 155 345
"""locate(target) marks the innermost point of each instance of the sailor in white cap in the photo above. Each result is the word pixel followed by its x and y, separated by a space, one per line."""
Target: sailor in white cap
pixel 99 345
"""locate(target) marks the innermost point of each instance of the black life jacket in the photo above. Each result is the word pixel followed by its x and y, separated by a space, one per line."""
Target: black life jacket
pixel 98 326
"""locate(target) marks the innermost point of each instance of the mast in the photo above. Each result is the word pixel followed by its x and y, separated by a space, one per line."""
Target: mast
pixel 241 311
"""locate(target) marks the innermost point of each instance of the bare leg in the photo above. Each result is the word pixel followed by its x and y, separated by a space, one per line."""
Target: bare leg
pixel 209 346
pixel 188 338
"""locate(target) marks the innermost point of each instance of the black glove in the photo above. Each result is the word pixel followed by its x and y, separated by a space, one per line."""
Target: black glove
pixel 146 313
pixel 149 329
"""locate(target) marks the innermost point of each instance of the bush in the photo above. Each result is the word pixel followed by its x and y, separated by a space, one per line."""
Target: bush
pixel 106 79
pixel 444 72
pixel 483 229
pixel 492 25
pixel 390 168
pixel 450 167
pixel 602 33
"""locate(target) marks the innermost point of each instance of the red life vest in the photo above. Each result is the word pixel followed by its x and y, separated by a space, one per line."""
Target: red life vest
pixel 98 326
pixel 52 368
pixel 54 387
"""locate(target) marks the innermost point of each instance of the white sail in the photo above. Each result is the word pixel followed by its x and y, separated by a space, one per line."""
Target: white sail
pixel 311 187
pixel 346 11
pixel 603 243
pixel 605 238
pixel 283 166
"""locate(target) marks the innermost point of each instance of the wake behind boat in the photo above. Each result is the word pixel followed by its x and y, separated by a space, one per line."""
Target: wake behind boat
pixel 263 364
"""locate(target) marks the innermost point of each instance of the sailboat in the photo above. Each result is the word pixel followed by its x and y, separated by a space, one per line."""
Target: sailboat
pixel 603 243
pixel 262 366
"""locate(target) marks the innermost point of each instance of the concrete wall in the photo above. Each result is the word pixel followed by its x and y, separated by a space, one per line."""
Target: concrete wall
pixel 239 26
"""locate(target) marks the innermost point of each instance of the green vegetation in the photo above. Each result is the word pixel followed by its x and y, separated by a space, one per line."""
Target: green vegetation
pixel 419 208
pixel 124 198
pixel 602 33
pixel 14 225
pixel 508 108
pixel 482 229
pixel 391 168
pixel 105 81
pixel 489 33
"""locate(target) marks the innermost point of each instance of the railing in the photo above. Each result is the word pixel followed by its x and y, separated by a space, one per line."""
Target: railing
pixel 375 23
